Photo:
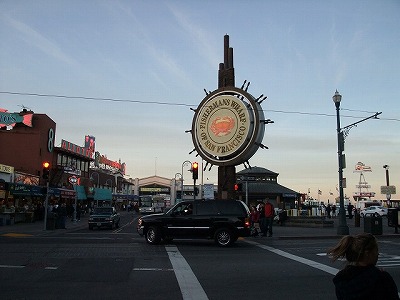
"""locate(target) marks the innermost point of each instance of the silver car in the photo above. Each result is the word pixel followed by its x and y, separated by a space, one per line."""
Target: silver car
pixel 375 211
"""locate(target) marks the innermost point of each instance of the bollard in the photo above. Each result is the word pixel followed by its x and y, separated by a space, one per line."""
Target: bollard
pixel 356 219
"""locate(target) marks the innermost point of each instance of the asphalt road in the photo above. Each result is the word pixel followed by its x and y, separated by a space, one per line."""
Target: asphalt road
pixel 118 264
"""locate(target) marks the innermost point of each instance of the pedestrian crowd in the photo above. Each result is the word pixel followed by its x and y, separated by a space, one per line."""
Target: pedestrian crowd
pixel 262 218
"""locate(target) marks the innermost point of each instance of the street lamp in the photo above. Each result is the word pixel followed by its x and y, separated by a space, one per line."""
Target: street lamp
pixel 342 229
pixel 98 177
pixel 388 195
pixel 110 183
pixel 179 175
pixel 183 164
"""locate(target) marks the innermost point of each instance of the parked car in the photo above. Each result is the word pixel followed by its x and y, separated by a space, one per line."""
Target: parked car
pixel 374 210
pixel 104 217
pixel 222 220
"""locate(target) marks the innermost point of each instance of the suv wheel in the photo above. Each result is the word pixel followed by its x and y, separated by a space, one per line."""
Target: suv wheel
pixel 223 237
pixel 153 235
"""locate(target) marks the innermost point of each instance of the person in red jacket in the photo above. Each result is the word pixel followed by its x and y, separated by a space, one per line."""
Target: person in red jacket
pixel 269 216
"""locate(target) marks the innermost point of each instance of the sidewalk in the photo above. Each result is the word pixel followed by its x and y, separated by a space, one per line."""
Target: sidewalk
pixel 280 232
pixel 37 228
pixel 286 232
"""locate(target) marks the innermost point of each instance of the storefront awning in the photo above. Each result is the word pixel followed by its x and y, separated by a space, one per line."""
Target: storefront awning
pixel 80 191
pixel 62 193
pixel 102 194
pixel 18 189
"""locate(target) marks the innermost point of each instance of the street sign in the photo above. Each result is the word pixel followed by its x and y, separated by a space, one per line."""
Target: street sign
pixel 388 189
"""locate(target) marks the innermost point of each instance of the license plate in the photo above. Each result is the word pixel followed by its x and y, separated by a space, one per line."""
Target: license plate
pixel 99 224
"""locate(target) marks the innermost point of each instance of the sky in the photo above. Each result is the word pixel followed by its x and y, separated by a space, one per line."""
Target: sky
pixel 132 71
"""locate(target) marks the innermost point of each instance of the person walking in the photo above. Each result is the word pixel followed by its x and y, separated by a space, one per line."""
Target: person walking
pixel 62 215
pixel 361 279
pixel 269 216
pixel 328 211
pixel 254 219
pixel 263 225
pixel 78 212
pixel 350 208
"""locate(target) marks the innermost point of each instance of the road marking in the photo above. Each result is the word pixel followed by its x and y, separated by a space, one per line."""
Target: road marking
pixel 299 259
pixel 12 267
pixel 188 283
pixel 151 269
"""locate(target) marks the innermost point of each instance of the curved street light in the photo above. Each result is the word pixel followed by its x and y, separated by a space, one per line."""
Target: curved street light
pixel 179 175
pixel 98 177
pixel 183 164
pixel 108 184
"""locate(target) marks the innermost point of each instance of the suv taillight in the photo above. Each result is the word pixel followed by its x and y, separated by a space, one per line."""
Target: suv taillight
pixel 247 222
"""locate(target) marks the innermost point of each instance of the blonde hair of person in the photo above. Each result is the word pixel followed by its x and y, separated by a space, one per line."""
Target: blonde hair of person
pixel 359 250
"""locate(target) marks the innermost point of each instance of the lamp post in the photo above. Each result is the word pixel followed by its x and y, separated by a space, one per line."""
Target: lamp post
pixel 180 178
pixel 91 177
pixel 98 184
pixel 388 195
pixel 183 164
pixel 342 229
pixel 109 184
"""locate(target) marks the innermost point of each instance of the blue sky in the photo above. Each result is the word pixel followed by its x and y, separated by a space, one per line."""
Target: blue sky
pixel 160 55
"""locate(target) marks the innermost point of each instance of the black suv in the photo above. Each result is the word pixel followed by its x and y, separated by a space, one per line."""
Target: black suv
pixel 221 220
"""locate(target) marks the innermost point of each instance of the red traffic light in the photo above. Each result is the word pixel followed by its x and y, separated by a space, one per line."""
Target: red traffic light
pixel 238 187
pixel 195 170
pixel 46 170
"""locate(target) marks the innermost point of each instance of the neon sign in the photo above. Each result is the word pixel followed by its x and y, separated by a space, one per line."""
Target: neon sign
pixel 10 119
pixel 75 148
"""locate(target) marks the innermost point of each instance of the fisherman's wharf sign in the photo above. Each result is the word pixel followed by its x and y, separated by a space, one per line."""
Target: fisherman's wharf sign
pixel 226 127
pixel 223 125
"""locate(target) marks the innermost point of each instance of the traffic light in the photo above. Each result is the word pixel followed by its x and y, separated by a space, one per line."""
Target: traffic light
pixel 46 170
pixel 238 187
pixel 195 170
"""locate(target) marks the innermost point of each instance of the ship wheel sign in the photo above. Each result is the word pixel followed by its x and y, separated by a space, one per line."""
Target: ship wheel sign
pixel 228 126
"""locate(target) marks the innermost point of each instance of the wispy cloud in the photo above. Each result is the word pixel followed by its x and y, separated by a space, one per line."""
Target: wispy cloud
pixel 200 37
pixel 35 39
pixel 139 32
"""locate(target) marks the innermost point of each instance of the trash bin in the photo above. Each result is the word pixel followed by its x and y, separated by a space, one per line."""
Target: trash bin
pixel 373 224
pixel 51 222
pixel 356 219
pixel 393 219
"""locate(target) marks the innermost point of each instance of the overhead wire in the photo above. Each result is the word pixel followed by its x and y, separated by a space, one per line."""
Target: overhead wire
pixel 185 104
